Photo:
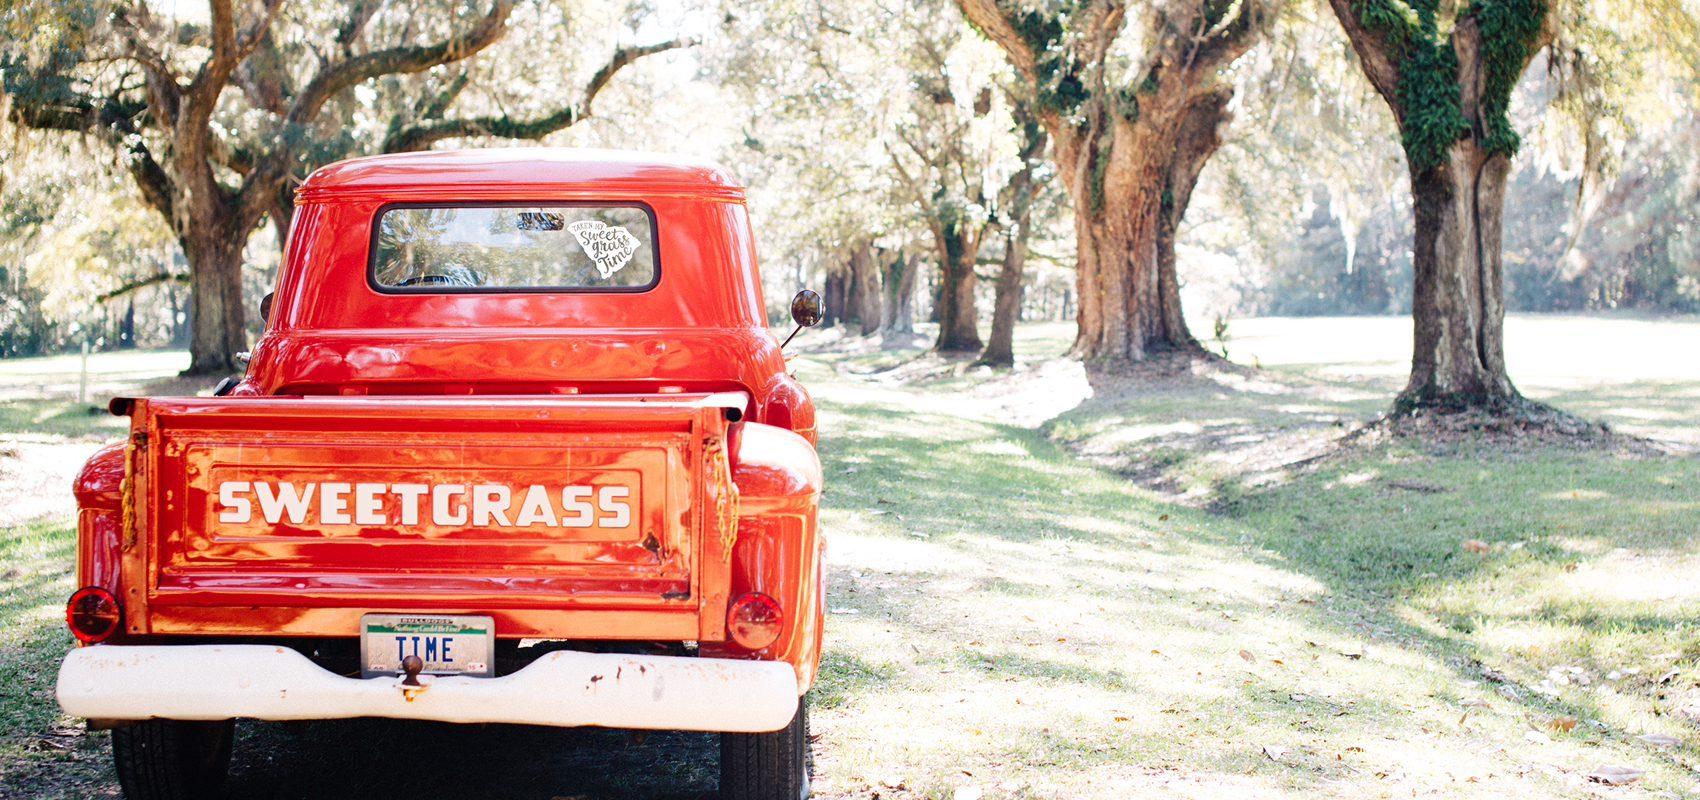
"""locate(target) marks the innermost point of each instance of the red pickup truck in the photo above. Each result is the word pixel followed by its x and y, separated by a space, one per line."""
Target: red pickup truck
pixel 516 446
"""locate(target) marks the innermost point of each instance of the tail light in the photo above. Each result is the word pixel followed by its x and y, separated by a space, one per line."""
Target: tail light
pixel 93 614
pixel 754 620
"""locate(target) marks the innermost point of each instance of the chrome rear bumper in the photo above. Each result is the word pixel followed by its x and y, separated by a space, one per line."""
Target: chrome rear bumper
pixel 563 688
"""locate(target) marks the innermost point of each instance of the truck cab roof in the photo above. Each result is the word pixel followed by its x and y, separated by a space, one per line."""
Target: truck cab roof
pixel 512 171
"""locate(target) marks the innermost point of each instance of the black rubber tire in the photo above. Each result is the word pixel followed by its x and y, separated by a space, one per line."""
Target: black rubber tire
pixel 168 759
pixel 767 766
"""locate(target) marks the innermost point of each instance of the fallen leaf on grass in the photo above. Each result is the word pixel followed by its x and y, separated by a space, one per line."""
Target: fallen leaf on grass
pixel 892 782
pixel 1476 546
pixel 1537 737
pixel 1246 654
pixel 1471 701
pixel 1660 739
pixel 1163 518
pixel 1274 753
pixel 1615 775
pixel 1564 723
pixel 1120 719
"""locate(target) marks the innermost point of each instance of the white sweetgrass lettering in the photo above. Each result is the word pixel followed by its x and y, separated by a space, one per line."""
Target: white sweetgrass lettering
pixel 273 506
pixel 333 507
pixel 621 511
pixel 485 504
pixel 570 501
pixel 368 509
pixel 409 494
pixel 440 505
pixel 535 508
pixel 238 509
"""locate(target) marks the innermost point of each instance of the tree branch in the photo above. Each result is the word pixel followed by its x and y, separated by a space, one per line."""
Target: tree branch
pixel 229 48
pixel 142 283
pixel 113 121
pixel 1376 53
pixel 422 136
pixel 622 57
pixel 160 76
pixel 990 21
pixel 264 77
pixel 346 73
pixel 355 24
pixel 439 105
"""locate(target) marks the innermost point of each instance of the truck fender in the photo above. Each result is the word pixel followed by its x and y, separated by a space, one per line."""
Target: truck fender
pixel 786 404
pixel 779 550
pixel 100 502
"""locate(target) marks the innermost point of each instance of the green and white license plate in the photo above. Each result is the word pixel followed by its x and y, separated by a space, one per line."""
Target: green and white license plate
pixel 449 644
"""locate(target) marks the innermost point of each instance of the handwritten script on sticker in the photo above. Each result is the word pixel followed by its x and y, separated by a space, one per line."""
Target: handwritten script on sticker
pixel 609 248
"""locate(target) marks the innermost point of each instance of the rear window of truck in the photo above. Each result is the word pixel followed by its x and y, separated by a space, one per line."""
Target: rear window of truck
pixel 513 248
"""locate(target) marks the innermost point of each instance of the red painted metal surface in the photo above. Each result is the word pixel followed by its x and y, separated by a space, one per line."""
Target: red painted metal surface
pixel 452 442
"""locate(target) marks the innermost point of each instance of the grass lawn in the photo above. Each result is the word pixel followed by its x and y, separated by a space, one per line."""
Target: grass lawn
pixel 1049 586
pixel 1141 597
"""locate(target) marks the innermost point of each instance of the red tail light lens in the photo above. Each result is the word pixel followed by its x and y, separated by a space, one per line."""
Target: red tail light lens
pixel 754 620
pixel 93 614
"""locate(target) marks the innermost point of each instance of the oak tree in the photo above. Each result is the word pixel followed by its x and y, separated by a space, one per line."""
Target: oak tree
pixel 1129 139
pixel 216 122
pixel 1448 84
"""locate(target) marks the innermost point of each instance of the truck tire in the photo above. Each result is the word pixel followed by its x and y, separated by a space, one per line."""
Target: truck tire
pixel 169 759
pixel 767 766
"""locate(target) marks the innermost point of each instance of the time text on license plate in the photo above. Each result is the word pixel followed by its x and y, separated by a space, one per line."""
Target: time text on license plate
pixel 449 644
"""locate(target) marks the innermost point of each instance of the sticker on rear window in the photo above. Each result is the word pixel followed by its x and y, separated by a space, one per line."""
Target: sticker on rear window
pixel 608 246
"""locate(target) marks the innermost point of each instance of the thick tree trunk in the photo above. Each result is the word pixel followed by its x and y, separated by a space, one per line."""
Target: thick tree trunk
pixel 1458 299
pixel 832 300
pixel 1000 346
pixel 215 288
pixel 959 330
pixel 865 287
pixel 1129 293
pixel 1197 140
pixel 899 283
pixel 1017 199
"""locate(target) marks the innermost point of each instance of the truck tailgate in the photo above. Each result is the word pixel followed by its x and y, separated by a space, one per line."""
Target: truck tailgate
pixel 300 514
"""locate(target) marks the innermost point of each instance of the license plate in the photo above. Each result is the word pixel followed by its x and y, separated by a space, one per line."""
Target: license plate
pixel 449 644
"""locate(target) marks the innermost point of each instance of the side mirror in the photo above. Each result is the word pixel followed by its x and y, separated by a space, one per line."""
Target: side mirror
pixel 805 308
pixel 805 311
